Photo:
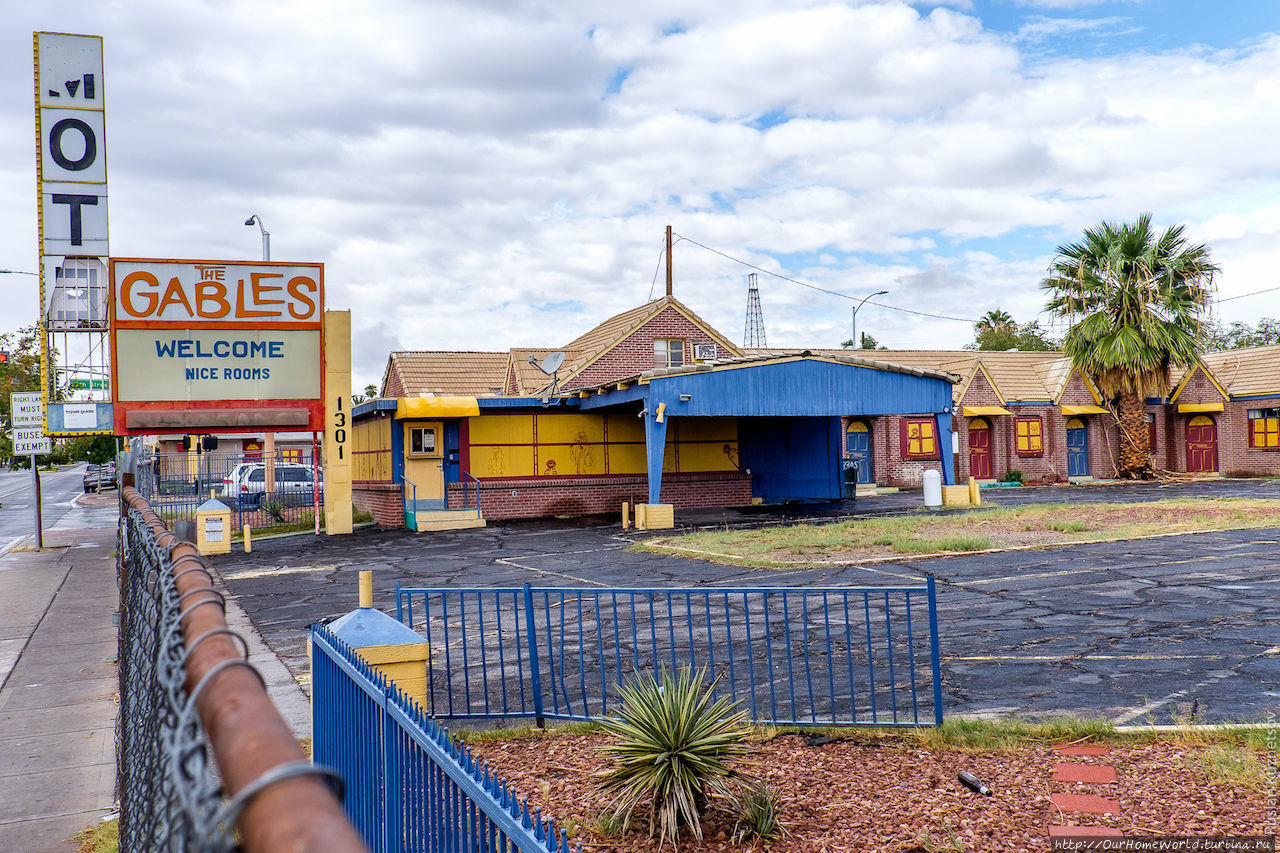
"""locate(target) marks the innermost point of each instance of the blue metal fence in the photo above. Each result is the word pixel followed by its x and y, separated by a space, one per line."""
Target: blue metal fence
pixel 803 656
pixel 409 786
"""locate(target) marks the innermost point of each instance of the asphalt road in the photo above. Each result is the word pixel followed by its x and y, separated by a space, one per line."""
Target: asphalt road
pixel 1150 631
pixel 61 504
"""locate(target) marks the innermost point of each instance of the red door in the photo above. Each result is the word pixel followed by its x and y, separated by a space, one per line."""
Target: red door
pixel 1202 445
pixel 979 449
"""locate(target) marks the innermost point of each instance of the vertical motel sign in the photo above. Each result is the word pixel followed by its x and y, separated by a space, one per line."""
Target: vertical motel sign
pixel 71 173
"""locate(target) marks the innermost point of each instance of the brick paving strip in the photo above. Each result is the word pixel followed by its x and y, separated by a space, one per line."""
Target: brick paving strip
pixel 1093 774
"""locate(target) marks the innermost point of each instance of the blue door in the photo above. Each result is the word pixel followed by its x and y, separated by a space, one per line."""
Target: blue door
pixel 857 446
pixel 1077 448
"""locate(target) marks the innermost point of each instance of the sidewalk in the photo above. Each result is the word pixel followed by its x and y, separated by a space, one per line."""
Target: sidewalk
pixel 57 688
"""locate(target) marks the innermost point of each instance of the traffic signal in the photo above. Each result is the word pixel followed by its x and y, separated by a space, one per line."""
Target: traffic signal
pixel 185 444
pixel 209 442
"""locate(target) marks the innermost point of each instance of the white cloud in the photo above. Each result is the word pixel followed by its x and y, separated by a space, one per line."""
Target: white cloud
pixel 459 167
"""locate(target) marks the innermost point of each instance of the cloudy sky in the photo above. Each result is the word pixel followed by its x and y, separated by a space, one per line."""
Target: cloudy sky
pixel 498 173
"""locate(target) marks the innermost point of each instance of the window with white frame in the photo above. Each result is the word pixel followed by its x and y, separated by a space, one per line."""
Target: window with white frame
pixel 668 352
pixel 424 441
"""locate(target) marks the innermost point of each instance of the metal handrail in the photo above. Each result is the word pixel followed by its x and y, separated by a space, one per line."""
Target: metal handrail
pixel 465 501
pixel 256 753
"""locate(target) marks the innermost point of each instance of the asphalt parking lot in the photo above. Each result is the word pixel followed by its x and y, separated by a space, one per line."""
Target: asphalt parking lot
pixel 1147 631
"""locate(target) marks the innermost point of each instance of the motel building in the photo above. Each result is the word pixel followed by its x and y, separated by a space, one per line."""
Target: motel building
pixel 655 407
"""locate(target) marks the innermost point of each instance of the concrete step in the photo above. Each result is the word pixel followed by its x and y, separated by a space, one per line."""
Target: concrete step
pixel 448 519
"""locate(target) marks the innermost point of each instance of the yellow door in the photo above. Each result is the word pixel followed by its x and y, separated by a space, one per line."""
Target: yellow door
pixel 424 464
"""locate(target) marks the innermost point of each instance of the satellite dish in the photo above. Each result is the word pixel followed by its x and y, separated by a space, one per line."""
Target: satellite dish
pixel 552 363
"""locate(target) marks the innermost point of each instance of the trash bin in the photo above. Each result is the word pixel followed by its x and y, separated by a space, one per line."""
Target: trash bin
pixel 932 488
pixel 851 479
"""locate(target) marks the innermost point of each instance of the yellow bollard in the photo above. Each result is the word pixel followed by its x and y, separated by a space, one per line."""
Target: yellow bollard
pixel 975 495
pixel 366 589
pixel 248 539
pixel 626 516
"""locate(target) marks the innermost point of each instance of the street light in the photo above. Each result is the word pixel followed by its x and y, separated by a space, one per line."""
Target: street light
pixel 855 315
pixel 19 272
pixel 266 235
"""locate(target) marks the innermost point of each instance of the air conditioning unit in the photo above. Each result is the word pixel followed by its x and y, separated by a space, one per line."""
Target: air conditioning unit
pixel 704 352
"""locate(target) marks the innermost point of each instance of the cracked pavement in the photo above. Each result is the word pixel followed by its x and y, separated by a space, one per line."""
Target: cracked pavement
pixel 1138 632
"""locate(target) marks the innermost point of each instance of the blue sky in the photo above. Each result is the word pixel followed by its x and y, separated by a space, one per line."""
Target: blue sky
pixel 482 175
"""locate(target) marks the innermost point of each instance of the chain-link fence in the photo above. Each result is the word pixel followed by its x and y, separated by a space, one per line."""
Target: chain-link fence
pixel 267 493
pixel 188 696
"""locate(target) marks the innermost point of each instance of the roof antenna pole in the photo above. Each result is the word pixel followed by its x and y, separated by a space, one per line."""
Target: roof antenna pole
pixel 668 261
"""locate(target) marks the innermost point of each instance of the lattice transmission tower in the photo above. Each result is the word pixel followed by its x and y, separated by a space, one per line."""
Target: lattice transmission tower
pixel 753 335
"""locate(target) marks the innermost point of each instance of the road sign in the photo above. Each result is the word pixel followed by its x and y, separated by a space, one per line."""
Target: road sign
pixel 31 441
pixel 26 409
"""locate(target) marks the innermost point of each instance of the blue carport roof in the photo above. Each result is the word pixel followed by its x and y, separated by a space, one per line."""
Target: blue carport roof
pixel 781 386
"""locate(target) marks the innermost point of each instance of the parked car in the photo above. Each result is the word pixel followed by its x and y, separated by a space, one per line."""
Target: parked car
pixel 295 485
pixel 98 477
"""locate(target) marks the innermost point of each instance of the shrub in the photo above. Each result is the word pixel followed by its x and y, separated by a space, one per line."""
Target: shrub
pixel 1013 475
pixel 273 508
pixel 674 746
pixel 758 812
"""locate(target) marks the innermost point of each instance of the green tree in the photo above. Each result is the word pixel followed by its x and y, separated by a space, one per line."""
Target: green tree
pixel 1136 298
pixel 1239 335
pixel 20 371
pixel 868 342
pixel 1008 335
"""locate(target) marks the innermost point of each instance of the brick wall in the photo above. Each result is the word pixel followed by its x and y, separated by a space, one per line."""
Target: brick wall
pixel 635 353
pixel 385 501
pixel 1235 457
pixel 551 496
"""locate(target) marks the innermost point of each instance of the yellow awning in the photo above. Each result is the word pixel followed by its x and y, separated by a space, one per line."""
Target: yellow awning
pixel 437 407
pixel 1069 411
pixel 980 411
pixel 1192 408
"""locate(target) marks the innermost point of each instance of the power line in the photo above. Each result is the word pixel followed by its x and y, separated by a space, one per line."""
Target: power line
pixel 661 254
pixel 819 289
pixel 1243 295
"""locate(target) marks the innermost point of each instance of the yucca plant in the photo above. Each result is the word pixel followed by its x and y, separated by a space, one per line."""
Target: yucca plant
pixel 675 746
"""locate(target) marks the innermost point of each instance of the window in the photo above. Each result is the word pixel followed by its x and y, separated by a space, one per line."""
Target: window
pixel 919 438
pixel 1151 431
pixel 422 441
pixel 1264 429
pixel 668 353
pixel 1030 436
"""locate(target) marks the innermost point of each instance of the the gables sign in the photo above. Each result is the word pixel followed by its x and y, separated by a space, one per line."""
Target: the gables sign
pixel 216 346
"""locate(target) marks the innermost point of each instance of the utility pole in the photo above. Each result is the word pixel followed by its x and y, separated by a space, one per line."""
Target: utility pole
pixel 668 261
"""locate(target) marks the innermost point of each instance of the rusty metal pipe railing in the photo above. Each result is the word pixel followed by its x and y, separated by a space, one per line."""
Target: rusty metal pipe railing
pixel 256 753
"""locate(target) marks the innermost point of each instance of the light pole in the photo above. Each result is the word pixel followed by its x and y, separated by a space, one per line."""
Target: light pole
pixel 855 315
pixel 266 235
pixel 19 272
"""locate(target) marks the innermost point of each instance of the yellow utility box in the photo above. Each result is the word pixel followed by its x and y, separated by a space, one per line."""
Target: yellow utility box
pixel 213 528
pixel 655 516
pixel 955 495
pixel 391 647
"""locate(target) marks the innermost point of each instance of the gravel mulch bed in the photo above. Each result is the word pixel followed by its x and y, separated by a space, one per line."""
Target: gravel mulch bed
pixel 892 796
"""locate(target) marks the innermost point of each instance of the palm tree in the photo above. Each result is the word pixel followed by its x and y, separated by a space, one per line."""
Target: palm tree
pixel 995 321
pixel 1137 300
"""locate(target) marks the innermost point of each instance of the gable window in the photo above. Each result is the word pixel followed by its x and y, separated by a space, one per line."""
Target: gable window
pixel 1264 429
pixel 668 352
pixel 422 441
pixel 919 438
pixel 1030 436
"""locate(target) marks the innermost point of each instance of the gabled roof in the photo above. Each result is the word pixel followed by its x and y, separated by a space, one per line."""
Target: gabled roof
pixel 1248 372
pixel 424 373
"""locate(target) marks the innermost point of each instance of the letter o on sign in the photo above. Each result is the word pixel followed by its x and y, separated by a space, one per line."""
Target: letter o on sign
pixel 90 145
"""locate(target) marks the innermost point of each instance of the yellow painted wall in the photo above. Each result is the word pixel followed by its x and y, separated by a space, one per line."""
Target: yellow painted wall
pixel 571 445
pixel 371 450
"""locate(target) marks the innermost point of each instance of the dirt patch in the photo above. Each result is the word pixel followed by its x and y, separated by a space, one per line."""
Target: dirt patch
pixel 896 797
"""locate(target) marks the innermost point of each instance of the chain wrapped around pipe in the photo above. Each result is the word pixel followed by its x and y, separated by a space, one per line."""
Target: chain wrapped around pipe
pixel 205 763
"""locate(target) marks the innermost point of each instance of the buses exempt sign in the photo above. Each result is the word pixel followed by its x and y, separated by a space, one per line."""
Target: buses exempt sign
pixel 216 346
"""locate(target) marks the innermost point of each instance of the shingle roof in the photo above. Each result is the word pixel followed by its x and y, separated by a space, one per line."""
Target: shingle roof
pixel 446 373
pixel 1246 372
